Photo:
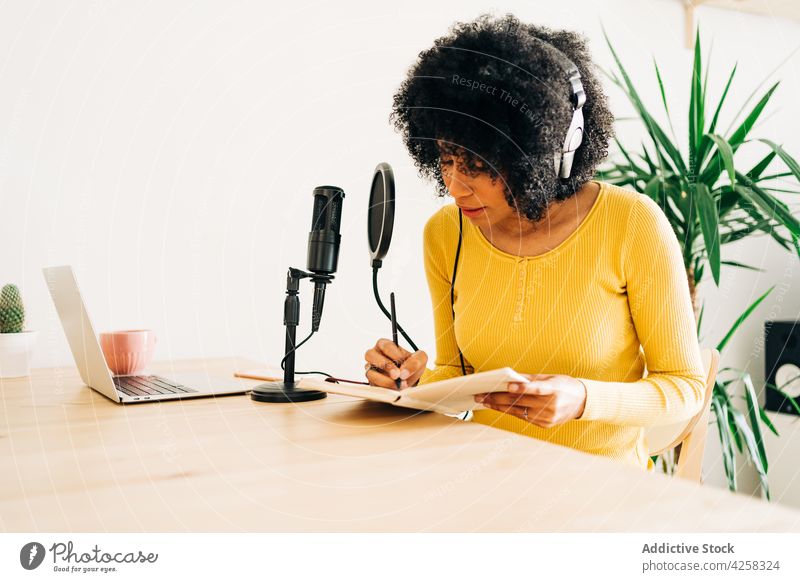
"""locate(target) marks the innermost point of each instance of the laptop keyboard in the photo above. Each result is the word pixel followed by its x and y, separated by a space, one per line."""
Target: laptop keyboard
pixel 149 386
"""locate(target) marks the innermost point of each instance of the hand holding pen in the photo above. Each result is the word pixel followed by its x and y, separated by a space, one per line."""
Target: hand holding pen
pixel 389 365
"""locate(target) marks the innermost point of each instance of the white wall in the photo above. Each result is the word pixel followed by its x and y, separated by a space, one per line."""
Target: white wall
pixel 168 150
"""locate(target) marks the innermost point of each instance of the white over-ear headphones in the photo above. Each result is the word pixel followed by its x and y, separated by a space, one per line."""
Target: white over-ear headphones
pixel 562 160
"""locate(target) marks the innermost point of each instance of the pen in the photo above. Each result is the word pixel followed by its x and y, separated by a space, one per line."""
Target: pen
pixel 397 381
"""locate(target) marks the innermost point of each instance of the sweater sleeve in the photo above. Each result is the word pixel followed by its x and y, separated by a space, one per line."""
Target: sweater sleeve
pixel 663 318
pixel 447 362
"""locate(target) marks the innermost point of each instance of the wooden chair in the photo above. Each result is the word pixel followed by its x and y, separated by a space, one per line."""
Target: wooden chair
pixel 689 438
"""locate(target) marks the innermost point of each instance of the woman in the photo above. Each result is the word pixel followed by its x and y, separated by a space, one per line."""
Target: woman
pixel 577 283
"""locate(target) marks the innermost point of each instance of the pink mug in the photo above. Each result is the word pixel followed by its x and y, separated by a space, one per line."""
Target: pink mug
pixel 129 351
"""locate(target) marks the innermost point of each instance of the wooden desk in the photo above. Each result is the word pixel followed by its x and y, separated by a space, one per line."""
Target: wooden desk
pixel 71 460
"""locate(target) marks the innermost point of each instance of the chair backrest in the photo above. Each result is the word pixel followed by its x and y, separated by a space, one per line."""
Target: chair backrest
pixel 691 434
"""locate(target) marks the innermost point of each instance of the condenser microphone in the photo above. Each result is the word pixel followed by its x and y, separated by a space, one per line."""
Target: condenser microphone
pixel 323 256
pixel 323 244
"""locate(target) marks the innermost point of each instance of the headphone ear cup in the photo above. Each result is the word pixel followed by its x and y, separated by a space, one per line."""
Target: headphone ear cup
pixel 576 139
pixel 574 136
pixel 572 141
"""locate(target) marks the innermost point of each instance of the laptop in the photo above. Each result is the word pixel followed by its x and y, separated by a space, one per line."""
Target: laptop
pixel 92 365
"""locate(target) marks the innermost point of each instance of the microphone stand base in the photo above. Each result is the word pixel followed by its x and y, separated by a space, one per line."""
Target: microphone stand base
pixel 284 392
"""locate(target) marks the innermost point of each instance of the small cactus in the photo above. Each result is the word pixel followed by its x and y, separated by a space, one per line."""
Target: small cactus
pixel 12 311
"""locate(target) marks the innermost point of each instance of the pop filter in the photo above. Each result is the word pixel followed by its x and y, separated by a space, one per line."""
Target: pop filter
pixel 380 215
pixel 380 222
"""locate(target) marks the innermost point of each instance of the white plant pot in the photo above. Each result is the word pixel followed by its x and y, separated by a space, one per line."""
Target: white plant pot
pixel 16 350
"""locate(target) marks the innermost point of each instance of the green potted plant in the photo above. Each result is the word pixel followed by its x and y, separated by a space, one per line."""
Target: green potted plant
pixel 711 200
pixel 16 344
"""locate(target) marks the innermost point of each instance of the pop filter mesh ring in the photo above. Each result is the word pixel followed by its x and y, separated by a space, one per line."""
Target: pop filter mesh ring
pixel 382 203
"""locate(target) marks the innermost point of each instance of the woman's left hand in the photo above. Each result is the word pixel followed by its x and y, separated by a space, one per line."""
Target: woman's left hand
pixel 546 400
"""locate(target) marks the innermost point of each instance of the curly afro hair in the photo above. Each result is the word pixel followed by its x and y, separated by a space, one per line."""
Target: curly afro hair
pixel 497 98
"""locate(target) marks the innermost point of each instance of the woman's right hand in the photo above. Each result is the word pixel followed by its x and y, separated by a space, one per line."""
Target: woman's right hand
pixel 382 369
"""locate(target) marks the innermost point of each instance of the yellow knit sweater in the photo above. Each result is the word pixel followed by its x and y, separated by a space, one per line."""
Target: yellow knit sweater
pixel 608 303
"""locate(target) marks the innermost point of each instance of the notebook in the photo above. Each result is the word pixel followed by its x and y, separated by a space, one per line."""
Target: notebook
pixel 451 396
